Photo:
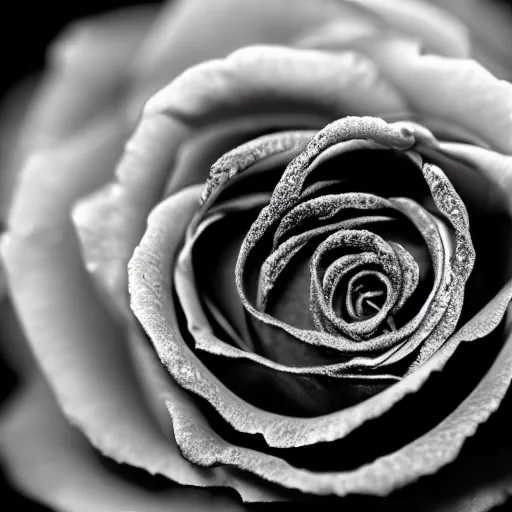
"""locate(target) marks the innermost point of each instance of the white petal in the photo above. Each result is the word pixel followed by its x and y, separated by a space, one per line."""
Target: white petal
pixel 459 90
pixel 52 463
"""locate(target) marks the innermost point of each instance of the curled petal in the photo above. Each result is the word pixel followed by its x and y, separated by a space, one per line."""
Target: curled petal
pixel 275 79
pixel 445 305
pixel 199 326
pixel 152 302
pixel 424 456
pixel 270 150
pixel 458 90
pixel 211 143
pixel 361 240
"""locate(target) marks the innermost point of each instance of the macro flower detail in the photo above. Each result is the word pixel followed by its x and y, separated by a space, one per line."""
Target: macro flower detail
pixel 392 273
pixel 315 195
pixel 265 247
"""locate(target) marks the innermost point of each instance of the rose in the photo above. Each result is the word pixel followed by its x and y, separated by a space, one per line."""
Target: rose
pixel 69 328
pixel 489 22
pixel 109 365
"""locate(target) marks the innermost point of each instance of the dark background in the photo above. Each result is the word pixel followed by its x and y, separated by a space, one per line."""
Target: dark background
pixel 27 28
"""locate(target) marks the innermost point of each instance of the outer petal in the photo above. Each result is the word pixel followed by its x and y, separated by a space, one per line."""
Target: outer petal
pixel 79 347
pixel 456 92
pixel 82 350
pixel 187 33
pixel 250 81
pixel 495 166
pixel 434 27
pixel 461 91
pixel 89 65
pixel 490 23
pixel 187 24
pixel 456 487
pixel 57 305
pixel 427 455
pixel 88 68
pixel 52 462
pixel 13 110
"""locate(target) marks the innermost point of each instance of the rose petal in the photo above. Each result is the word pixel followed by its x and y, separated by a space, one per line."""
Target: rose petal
pixel 150 288
pixel 456 91
pixel 494 166
pixel 489 22
pixel 255 77
pixel 52 462
pixel 187 25
pixel 13 110
pixel 461 91
pixel 88 68
pixel 270 151
pixel 424 456
pixel 81 349
pixel 261 79
pixel 163 389
pixel 204 149
pixel 442 32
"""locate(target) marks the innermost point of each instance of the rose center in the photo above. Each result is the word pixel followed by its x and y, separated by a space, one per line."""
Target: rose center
pixel 365 296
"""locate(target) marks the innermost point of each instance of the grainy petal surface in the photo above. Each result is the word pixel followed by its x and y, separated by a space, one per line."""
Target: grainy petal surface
pixel 97 360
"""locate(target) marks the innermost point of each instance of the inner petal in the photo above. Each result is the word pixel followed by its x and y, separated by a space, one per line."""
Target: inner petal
pixel 281 257
pixel 361 289
pixel 354 240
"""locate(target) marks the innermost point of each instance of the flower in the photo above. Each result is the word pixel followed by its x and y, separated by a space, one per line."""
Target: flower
pixel 489 22
pixel 261 387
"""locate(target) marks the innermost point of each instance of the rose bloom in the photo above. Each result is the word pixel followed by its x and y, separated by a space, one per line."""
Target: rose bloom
pixel 264 246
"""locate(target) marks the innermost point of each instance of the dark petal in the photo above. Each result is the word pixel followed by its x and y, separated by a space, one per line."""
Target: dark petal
pixel 295 389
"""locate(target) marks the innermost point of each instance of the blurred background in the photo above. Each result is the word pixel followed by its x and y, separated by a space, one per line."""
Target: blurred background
pixel 30 25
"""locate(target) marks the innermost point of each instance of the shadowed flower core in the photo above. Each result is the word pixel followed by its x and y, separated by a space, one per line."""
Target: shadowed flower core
pixel 360 281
